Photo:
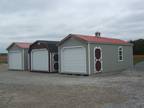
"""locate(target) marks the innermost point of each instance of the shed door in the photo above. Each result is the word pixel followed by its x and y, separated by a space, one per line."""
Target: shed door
pixel 15 60
pixel 73 60
pixel 98 59
pixel 39 60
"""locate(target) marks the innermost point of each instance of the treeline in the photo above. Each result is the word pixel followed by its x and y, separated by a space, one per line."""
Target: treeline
pixel 3 54
pixel 3 58
pixel 138 48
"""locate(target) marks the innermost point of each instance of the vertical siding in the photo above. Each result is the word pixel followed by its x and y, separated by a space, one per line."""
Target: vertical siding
pixel 110 57
pixel 24 56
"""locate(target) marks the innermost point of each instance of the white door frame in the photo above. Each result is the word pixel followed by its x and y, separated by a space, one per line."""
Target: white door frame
pixel 22 57
pixel 70 47
pixel 101 59
pixel 33 50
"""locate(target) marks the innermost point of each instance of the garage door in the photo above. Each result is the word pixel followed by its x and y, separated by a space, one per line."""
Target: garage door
pixel 39 60
pixel 73 60
pixel 15 60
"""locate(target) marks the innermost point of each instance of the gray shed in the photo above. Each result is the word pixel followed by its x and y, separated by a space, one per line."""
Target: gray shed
pixel 43 56
pixel 83 54
pixel 18 56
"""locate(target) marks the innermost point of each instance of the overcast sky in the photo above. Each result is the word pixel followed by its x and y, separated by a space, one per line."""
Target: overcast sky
pixel 30 20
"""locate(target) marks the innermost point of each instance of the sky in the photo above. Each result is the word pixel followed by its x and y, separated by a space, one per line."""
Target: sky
pixel 31 20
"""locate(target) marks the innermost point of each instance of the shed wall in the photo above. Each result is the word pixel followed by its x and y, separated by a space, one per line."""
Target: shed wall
pixel 24 55
pixel 26 59
pixel 69 43
pixel 110 57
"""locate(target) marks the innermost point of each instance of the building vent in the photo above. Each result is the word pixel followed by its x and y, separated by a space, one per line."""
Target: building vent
pixel 98 34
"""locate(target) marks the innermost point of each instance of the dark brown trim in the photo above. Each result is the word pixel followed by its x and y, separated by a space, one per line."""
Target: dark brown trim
pixel 50 46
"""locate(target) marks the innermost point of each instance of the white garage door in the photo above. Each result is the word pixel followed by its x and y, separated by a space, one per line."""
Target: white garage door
pixel 73 60
pixel 39 60
pixel 15 60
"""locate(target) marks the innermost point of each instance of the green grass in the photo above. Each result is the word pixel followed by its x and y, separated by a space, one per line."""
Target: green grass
pixel 138 58
pixel 1 62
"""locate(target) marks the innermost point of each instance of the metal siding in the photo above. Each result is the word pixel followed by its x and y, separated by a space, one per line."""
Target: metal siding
pixel 110 57
pixel 69 43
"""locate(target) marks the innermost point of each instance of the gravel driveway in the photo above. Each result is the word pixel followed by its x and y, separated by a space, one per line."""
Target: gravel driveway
pixel 42 90
pixel 140 66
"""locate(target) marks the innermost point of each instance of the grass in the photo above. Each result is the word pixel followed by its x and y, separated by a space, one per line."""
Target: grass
pixel 138 58
pixel 2 62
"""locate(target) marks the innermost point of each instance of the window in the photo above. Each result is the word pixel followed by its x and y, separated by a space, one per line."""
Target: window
pixel 97 53
pixel 120 54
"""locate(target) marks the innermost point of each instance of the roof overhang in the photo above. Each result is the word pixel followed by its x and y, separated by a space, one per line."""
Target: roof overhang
pixel 80 39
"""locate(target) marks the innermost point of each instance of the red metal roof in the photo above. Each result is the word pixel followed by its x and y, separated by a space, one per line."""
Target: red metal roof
pixel 20 45
pixel 23 45
pixel 99 39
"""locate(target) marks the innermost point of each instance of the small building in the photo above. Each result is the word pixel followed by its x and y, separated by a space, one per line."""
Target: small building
pixel 83 54
pixel 43 56
pixel 18 56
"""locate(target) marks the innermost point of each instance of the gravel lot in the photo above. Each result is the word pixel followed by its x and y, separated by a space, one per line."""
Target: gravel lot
pixel 42 90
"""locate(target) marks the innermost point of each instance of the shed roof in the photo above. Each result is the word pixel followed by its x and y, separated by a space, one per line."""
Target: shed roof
pixel 22 45
pixel 94 39
pixel 51 45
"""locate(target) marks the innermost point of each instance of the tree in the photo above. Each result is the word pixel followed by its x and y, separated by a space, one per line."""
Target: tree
pixel 138 47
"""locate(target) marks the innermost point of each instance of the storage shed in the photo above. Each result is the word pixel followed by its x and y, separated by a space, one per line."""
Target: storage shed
pixel 83 54
pixel 18 56
pixel 43 56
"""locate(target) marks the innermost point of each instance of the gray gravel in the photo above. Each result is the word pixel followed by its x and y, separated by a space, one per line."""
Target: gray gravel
pixel 42 90
pixel 139 66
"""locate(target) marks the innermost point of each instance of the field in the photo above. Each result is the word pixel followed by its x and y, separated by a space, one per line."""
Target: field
pixel 3 59
pixel 138 58
pixel 20 89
